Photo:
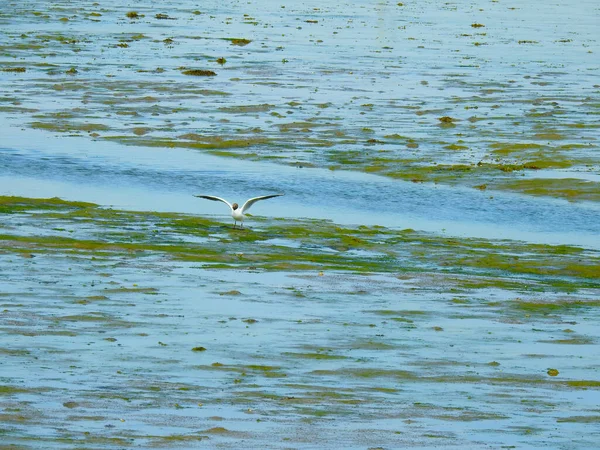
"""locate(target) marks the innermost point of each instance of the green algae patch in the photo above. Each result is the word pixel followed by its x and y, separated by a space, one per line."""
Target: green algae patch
pixel 390 312
pixel 268 371
pixel 245 109
pixel 583 383
pixel 540 266
pixel 245 370
pixel 470 416
pixel 240 42
pixel 216 145
pixel 232 292
pixel 579 340
pixel 371 345
pixel 106 320
pixel 579 419
pixel 314 356
pixel 13 352
pixel 220 431
pixel 310 395
pixel 447 120
pixel 12 205
pixel 482 282
pixel 199 73
pixel 9 390
pixel 548 136
pixel 509 149
pixel 554 307
pixel 368 373
pixel 175 440
pixel 572 189
pixel 456 147
pixel 65 127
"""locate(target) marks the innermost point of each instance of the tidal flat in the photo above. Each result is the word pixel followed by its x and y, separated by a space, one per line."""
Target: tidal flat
pixel 430 279
pixel 144 329
pixel 482 95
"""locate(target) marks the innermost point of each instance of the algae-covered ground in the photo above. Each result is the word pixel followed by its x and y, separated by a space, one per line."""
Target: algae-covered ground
pixel 431 278
pixel 125 329
pixel 484 95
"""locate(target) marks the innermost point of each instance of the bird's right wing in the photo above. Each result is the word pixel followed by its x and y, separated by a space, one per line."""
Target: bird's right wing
pixel 215 199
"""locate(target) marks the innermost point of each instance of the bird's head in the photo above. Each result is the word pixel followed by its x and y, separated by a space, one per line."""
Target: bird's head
pixel 234 206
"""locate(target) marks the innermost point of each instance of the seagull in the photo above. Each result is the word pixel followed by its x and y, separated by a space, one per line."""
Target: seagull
pixel 236 212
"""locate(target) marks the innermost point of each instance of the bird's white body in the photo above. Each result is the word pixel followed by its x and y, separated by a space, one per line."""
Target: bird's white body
pixel 236 212
pixel 237 215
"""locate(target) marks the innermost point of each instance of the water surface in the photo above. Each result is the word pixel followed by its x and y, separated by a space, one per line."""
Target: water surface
pixel 123 329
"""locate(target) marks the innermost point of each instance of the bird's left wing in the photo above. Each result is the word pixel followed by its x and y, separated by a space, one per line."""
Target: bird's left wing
pixel 252 201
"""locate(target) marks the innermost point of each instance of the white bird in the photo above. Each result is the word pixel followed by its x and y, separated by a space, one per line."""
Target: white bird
pixel 236 212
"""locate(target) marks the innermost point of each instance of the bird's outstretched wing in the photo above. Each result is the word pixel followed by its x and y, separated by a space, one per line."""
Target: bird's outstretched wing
pixel 252 201
pixel 216 199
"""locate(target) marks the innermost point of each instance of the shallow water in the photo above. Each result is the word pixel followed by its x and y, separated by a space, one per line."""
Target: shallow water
pixel 108 346
pixel 428 340
pixel 141 179
pixel 363 86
